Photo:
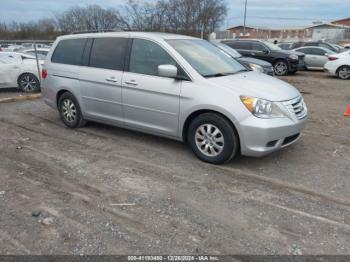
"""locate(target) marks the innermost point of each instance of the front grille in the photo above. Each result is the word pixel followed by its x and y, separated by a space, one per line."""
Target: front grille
pixel 297 107
pixel 301 60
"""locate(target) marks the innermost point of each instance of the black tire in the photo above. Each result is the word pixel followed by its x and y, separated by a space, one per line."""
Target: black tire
pixel 281 68
pixel 69 111
pixel 341 72
pixel 230 144
pixel 28 83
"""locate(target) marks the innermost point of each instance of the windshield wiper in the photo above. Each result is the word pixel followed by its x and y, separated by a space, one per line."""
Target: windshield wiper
pixel 225 74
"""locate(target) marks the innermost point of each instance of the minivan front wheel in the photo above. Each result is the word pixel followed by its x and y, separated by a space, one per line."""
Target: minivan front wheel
pixel 281 68
pixel 70 112
pixel 212 138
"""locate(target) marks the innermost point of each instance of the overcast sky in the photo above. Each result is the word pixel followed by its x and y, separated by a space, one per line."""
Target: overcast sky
pixel 266 13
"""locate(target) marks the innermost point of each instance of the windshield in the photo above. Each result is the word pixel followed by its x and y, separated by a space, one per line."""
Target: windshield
pixel 272 46
pixel 207 59
pixel 228 50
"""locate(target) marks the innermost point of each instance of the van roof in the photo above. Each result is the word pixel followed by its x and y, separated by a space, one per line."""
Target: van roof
pixel 151 35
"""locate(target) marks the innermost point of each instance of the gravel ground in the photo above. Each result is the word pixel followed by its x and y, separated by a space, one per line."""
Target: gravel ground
pixel 10 92
pixel 62 191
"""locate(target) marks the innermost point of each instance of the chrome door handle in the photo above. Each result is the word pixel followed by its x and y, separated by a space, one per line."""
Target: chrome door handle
pixel 111 79
pixel 131 82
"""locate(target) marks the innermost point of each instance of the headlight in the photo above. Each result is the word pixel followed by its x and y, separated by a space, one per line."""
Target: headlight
pixel 262 108
pixel 256 67
pixel 294 57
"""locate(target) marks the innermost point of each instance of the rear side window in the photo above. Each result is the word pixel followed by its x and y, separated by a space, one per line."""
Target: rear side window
pixel 307 51
pixel 69 52
pixel 318 51
pixel 242 45
pixel 109 53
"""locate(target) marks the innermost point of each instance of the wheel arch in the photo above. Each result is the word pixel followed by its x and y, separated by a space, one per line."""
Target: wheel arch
pixel 196 113
pixel 61 92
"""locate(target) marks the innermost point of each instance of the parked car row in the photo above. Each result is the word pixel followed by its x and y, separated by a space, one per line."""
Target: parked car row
pixel 284 62
pixel 22 47
pixel 305 56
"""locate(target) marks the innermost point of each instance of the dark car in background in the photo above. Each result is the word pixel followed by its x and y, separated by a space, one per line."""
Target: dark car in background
pixel 249 62
pixel 323 44
pixel 285 45
pixel 284 61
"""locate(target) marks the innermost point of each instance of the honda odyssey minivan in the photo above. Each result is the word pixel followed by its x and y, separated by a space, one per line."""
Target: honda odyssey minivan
pixel 173 86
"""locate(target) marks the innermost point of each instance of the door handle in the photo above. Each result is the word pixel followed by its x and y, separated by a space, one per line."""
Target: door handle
pixel 111 79
pixel 131 82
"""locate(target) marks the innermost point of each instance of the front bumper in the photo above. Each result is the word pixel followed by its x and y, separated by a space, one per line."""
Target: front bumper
pixel 329 69
pixel 260 137
pixel 295 65
pixel 269 70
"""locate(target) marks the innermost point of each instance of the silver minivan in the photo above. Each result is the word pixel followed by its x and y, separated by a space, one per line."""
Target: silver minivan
pixel 174 86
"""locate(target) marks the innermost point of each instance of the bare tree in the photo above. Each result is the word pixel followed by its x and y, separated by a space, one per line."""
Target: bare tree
pixel 190 17
pixel 92 17
pixel 182 16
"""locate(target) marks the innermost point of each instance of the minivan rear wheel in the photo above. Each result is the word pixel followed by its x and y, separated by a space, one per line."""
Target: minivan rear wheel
pixel 69 110
pixel 212 138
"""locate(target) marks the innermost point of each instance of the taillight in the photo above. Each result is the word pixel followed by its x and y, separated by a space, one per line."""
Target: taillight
pixel 43 73
pixel 332 58
pixel 0 49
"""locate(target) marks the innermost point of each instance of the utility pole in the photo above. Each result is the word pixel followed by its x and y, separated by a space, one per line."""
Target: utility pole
pixel 245 16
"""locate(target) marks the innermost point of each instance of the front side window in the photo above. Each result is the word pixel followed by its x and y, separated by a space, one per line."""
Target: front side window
pixel 69 51
pixel 146 56
pixel 207 59
pixel 109 53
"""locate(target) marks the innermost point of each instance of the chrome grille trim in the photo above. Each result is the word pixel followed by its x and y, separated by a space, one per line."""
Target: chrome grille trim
pixel 297 108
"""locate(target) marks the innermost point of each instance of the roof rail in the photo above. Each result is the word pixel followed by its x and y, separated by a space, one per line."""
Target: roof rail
pixel 100 31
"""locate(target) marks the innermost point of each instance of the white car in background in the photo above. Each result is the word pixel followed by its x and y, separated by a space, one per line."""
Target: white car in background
pixel 339 65
pixel 42 52
pixel 19 70
pixel 11 48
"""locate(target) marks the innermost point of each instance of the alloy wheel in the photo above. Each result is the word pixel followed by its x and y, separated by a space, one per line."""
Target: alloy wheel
pixel 344 72
pixel 69 110
pixel 28 83
pixel 209 140
pixel 281 68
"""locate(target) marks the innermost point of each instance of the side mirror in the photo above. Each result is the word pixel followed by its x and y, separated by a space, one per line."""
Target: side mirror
pixel 167 71
pixel 266 52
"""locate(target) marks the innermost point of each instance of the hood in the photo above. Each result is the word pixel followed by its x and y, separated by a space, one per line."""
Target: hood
pixel 254 61
pixel 257 85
